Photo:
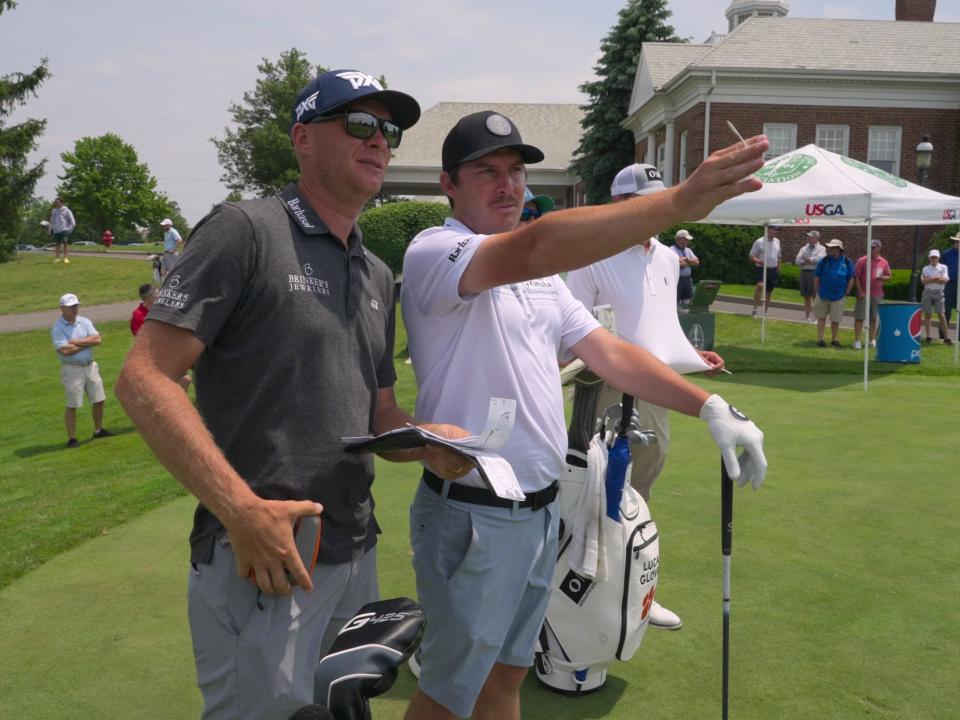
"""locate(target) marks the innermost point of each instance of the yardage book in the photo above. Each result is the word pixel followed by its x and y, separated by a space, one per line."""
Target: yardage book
pixel 492 471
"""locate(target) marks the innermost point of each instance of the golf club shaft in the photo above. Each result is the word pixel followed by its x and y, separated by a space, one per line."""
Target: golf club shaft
pixel 726 545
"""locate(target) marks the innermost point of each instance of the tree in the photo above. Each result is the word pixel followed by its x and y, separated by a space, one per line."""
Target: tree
pixel 17 178
pixel 33 212
pixel 606 147
pixel 257 156
pixel 107 187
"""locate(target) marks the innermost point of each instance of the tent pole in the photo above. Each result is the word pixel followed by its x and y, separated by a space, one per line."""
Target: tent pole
pixel 763 296
pixel 866 319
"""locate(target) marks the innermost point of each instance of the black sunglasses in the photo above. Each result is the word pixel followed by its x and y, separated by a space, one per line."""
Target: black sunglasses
pixel 530 214
pixel 363 125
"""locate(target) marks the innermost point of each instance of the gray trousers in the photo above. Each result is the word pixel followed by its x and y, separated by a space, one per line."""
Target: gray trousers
pixel 648 460
pixel 256 655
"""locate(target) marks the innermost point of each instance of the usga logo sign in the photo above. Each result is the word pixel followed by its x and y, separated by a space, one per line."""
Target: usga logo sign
pixel 816 209
pixel 950 214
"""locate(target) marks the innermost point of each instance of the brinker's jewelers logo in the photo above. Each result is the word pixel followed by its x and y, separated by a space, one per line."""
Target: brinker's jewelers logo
pixel 785 168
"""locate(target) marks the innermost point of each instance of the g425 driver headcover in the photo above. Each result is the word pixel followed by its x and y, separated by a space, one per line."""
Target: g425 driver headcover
pixel 363 661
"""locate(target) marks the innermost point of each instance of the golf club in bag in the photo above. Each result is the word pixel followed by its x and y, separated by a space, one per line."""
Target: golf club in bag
pixel 590 623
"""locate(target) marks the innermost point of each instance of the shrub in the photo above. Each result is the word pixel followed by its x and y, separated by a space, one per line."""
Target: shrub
pixel 6 248
pixel 388 229
pixel 722 249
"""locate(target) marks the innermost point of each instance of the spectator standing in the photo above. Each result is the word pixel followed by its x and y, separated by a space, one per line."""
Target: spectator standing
pixel 74 338
pixel 535 206
pixel 62 223
pixel 148 293
pixel 808 257
pixel 688 261
pixel 765 251
pixel 934 278
pixel 833 279
pixel 949 258
pixel 107 239
pixel 880 273
pixel 172 242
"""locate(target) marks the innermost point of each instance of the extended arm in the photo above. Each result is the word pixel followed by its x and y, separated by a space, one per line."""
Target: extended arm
pixel 569 239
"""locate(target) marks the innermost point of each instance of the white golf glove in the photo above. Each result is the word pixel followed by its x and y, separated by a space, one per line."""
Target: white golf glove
pixel 731 428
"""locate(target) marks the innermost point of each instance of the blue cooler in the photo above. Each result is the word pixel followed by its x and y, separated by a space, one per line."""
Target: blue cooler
pixel 898 339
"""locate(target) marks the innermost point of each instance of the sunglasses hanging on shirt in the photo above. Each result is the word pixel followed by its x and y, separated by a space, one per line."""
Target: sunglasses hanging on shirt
pixel 363 125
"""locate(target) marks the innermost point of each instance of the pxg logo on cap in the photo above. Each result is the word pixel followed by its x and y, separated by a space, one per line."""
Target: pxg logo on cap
pixel 332 90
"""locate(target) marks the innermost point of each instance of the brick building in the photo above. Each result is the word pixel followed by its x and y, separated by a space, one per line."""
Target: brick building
pixel 869 89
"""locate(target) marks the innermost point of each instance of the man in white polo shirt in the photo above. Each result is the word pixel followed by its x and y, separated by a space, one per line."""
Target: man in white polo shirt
pixel 640 284
pixel 74 338
pixel 486 317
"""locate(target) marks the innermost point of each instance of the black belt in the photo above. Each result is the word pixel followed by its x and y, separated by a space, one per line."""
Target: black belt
pixel 482 496
pixel 78 364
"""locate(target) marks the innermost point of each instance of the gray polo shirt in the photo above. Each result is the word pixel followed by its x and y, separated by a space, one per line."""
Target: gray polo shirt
pixel 299 337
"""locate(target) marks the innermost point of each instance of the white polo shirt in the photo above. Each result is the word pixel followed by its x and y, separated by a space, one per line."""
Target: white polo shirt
pixel 503 342
pixel 770 248
pixel 641 287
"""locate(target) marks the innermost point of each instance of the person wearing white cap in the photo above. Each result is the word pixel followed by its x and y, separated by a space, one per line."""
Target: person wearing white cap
pixel 880 273
pixel 934 278
pixel 808 257
pixel 630 283
pixel 688 261
pixel 172 243
pixel 949 258
pixel 74 338
pixel 833 279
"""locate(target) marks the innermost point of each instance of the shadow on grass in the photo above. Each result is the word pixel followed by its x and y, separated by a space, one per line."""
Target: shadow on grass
pixel 34 450
pixel 537 702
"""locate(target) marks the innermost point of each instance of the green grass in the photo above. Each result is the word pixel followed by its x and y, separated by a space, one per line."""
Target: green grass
pixel 843 593
pixel 779 294
pixel 146 248
pixel 32 281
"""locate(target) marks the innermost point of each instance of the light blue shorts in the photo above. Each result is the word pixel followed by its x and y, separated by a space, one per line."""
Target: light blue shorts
pixel 483 577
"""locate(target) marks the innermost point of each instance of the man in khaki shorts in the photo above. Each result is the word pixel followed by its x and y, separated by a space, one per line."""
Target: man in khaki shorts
pixel 74 338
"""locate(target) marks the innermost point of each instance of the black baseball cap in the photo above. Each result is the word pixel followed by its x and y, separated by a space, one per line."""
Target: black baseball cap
pixel 334 89
pixel 482 133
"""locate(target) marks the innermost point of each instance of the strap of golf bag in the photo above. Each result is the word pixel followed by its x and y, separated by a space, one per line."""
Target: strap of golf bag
pixel 363 661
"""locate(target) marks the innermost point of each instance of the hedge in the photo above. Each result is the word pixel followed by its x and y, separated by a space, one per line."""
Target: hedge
pixel 388 229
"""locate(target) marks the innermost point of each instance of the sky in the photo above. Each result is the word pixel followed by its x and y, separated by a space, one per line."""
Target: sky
pixel 162 75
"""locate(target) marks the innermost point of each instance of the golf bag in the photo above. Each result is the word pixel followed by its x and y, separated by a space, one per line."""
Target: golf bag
pixel 591 623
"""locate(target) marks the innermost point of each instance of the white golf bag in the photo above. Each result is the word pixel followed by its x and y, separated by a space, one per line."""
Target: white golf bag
pixel 590 623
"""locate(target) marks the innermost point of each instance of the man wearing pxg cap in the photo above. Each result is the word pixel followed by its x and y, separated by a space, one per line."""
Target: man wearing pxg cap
pixel 289 322
pixel 487 316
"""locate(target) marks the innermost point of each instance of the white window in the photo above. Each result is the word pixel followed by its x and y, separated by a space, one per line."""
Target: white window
pixel 661 157
pixel 683 156
pixel 835 138
pixel 883 149
pixel 782 136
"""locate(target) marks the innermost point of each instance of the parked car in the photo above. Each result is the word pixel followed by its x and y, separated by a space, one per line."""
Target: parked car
pixel 85 243
pixel 49 247
pixel 23 247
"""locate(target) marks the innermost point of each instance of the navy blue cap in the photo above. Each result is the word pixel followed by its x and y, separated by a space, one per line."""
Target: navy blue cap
pixel 335 88
pixel 482 133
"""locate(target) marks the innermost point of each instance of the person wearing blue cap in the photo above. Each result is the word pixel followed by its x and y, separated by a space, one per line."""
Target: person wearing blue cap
pixel 487 316
pixel 289 322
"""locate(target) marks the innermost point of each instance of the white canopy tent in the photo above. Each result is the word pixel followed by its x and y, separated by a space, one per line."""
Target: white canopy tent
pixel 811 186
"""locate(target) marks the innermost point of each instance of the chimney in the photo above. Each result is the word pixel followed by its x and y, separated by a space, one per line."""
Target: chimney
pixel 921 10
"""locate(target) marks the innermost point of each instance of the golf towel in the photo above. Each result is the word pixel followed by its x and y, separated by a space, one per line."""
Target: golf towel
pixel 588 551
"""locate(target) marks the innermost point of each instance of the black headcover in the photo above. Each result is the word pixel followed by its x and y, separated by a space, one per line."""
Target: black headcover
pixel 363 661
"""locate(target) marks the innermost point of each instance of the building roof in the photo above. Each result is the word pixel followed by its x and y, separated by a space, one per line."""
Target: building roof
pixel 554 128
pixel 877 47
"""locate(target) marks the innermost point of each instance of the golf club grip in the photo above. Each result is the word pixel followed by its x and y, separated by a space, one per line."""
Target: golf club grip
pixel 726 510
pixel 626 404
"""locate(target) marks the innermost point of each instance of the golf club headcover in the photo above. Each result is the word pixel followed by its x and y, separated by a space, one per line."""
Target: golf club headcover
pixel 313 712
pixel 363 661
